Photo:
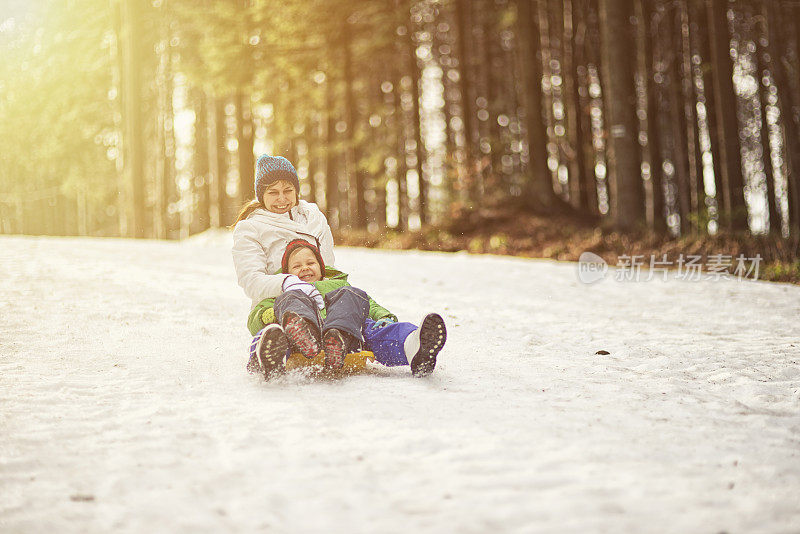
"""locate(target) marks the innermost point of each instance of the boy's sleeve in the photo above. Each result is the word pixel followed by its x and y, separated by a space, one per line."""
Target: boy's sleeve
pixel 376 311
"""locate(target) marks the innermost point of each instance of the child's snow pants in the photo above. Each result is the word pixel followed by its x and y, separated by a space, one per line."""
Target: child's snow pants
pixel 386 342
pixel 347 307
pixel 347 310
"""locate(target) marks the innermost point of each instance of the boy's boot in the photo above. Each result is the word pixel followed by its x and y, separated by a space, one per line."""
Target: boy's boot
pixel 335 343
pixel 268 351
pixel 301 335
pixel 423 344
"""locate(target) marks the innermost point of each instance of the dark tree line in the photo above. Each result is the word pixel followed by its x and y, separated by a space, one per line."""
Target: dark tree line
pixel 677 116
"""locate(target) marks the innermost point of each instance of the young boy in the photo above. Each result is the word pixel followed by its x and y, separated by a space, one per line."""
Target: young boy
pixel 317 303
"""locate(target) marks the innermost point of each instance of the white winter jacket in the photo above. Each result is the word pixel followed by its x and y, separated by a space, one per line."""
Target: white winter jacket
pixel 260 240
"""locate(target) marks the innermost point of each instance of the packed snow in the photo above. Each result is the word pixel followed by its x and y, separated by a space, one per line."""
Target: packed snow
pixel 125 405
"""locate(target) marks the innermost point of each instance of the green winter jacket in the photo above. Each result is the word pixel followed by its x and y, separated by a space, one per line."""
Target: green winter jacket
pixel 263 313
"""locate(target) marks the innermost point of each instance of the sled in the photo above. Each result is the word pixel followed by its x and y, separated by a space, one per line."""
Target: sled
pixel 355 362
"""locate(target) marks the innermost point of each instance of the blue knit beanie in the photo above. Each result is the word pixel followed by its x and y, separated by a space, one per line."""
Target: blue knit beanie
pixel 270 169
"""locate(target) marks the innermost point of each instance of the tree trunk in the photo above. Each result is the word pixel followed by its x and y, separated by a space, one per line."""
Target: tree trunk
pixel 244 135
pixel 681 158
pixel 166 224
pixel 379 142
pixel 627 203
pixel 583 106
pixel 220 164
pixel 594 65
pixel 648 36
pixel 706 73
pixel 464 21
pixel 689 98
pixel 400 144
pixel 548 13
pixel 331 170
pixel 728 149
pixel 132 28
pixel 502 102
pixel 764 66
pixel 121 204
pixel 697 48
pixel 539 191
pixel 312 142
pixel 169 188
pixel 358 212
pixel 490 142
pixel 783 30
pixel 451 168
pixel 417 123
pixel 162 201
pixel 572 103
pixel 201 180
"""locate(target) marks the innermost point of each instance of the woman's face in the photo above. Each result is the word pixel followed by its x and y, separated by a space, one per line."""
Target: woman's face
pixel 279 197
pixel 304 265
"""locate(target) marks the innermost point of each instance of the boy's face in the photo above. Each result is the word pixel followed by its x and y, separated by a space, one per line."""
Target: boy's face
pixel 303 264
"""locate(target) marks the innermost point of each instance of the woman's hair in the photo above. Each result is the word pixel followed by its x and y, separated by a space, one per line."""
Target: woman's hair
pixel 249 207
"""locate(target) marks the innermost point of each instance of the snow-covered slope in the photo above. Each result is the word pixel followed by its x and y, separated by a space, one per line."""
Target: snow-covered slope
pixel 125 405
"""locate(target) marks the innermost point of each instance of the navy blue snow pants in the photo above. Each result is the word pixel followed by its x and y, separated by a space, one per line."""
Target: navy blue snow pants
pixel 387 342
pixel 347 310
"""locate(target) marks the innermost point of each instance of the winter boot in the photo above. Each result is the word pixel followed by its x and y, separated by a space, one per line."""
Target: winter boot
pixel 424 343
pixel 301 336
pixel 335 344
pixel 268 351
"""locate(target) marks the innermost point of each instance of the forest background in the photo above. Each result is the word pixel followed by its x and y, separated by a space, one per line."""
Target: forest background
pixel 541 128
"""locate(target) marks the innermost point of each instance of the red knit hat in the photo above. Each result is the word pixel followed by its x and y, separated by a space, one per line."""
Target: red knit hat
pixel 296 244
